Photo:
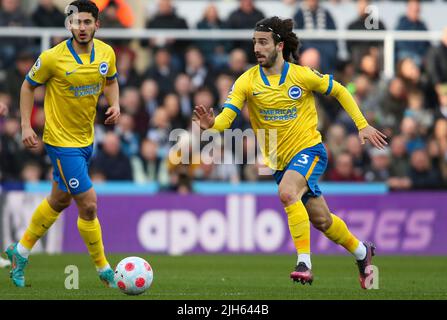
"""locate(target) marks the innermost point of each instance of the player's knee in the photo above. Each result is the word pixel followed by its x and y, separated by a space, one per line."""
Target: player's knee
pixel 59 204
pixel 88 210
pixel 287 196
pixel 322 222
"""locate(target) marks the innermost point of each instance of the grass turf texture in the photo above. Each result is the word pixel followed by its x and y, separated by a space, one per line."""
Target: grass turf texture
pixel 236 277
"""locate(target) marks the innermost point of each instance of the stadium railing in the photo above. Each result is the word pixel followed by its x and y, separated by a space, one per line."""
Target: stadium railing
pixel 388 37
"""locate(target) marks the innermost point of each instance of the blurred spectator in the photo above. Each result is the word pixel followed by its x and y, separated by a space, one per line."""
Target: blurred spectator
pixel 213 50
pixel 237 63
pixel 167 18
pixel 111 161
pixel 411 131
pixel 400 162
pixel 150 94
pixel 131 103
pixel 358 49
pixel 336 139
pixel 172 105
pixel 117 13
pixel 310 58
pixel 369 66
pixel 31 172
pixel 378 171
pixel 414 79
pixel 415 50
pixel 343 169
pixel 149 168
pixel 183 88
pixel 4 109
pixel 440 136
pixel 422 174
pixel 245 17
pixel 360 158
pixel 47 15
pixel 10 146
pixel 416 110
pixel 128 76
pixel 15 77
pixel 393 105
pixel 205 97
pixel 159 132
pixel 437 62
pixel 215 169
pixel 441 111
pixel 11 15
pixel 37 156
pixel 163 71
pixel 196 68
pixel 311 16
pixel 129 139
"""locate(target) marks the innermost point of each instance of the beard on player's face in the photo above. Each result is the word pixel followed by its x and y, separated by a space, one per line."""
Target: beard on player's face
pixel 270 59
pixel 86 36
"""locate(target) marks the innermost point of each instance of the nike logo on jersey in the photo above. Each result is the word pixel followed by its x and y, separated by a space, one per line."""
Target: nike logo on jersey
pixel 67 73
pixel 256 93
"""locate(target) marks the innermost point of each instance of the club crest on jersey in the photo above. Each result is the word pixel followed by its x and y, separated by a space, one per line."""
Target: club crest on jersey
pixel 103 68
pixel 294 92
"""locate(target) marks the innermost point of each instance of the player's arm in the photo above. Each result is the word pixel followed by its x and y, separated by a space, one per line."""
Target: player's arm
pixel 236 98
pixel 29 137
pixel 326 85
pixel 112 94
pixel 39 74
pixel 348 103
pixel 112 91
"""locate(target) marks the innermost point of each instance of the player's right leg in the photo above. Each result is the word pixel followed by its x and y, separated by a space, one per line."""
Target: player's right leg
pixel 291 188
pixel 336 230
pixel 90 230
pixel 42 219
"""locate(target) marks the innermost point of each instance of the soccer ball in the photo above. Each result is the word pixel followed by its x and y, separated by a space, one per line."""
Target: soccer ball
pixel 133 275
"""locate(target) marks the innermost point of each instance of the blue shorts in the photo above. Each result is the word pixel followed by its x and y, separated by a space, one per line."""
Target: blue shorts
pixel 310 163
pixel 70 168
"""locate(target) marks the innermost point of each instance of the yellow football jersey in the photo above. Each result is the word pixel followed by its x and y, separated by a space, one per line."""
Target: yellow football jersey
pixel 283 106
pixel 73 85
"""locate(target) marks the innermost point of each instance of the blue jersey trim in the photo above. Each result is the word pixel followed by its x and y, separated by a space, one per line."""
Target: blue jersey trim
pixel 75 55
pixel 264 77
pixel 329 89
pixel 285 69
pixel 32 82
pixel 113 77
pixel 232 107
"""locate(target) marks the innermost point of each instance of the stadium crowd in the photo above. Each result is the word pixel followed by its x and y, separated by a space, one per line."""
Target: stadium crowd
pixel 410 108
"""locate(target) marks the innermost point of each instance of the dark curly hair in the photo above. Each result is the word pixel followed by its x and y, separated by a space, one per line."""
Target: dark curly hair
pixel 282 30
pixel 85 6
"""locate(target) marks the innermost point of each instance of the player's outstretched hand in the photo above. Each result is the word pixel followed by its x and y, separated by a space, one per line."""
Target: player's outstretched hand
pixel 3 109
pixel 376 137
pixel 113 114
pixel 203 116
pixel 29 137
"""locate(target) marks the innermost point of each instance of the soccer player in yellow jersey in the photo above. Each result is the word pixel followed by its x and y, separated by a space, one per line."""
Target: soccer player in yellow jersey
pixel 75 73
pixel 279 96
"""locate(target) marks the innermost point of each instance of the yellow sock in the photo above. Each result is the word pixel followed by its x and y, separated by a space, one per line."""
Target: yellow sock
pixel 340 234
pixel 91 234
pixel 299 226
pixel 43 218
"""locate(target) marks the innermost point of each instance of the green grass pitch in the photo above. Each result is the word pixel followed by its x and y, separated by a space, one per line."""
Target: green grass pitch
pixel 226 277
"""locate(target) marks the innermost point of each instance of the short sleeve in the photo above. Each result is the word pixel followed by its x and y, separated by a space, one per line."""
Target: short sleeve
pixel 318 82
pixel 41 71
pixel 238 95
pixel 112 72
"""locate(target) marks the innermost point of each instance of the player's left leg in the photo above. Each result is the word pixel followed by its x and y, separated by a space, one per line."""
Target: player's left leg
pixel 90 230
pixel 336 230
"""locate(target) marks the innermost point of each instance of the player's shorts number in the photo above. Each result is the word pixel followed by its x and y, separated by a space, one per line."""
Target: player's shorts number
pixel 304 159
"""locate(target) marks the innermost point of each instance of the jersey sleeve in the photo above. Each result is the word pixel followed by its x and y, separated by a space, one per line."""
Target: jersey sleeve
pixel 42 70
pixel 112 73
pixel 238 95
pixel 315 81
